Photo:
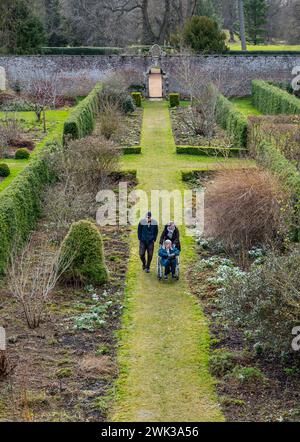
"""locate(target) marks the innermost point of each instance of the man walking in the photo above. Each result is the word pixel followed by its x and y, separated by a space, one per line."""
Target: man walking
pixel 147 234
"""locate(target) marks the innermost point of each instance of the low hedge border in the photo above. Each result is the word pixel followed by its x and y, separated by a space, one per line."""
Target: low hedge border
pixel 131 150
pixel 126 175
pixel 210 151
pixel 271 100
pixel 189 175
pixel 271 158
pixel 233 121
pixel 81 121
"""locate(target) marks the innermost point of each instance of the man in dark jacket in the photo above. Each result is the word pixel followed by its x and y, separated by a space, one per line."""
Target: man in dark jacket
pixel 171 232
pixel 147 234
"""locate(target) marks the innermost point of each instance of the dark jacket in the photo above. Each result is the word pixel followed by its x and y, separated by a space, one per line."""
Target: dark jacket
pixel 147 232
pixel 165 256
pixel 175 237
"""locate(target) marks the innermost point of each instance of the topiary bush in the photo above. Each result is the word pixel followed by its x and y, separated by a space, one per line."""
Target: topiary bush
pixel 137 98
pixel 271 100
pixel 81 121
pixel 4 170
pixel 84 242
pixel 232 120
pixel 174 100
pixel 22 154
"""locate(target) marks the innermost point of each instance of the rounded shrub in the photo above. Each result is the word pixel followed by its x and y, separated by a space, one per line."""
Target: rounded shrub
pixel 4 170
pixel 84 243
pixel 22 154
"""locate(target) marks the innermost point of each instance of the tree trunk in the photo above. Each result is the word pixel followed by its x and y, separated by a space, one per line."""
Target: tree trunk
pixel 148 35
pixel 231 33
pixel 44 121
pixel 242 25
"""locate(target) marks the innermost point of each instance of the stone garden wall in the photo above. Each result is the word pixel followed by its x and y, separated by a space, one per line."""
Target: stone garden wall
pixel 77 74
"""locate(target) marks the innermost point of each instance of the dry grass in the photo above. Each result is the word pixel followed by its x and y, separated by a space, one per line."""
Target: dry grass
pixel 244 209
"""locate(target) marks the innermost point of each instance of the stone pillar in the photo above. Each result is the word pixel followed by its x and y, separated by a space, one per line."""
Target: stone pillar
pixel 2 79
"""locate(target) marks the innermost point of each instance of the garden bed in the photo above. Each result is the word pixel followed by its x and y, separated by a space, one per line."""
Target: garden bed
pixel 262 390
pixel 185 136
pixel 65 369
pixel 252 384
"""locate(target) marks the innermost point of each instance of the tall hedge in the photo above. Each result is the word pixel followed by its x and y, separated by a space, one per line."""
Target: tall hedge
pixel 271 158
pixel 81 121
pixel 20 206
pixel 233 121
pixel 271 100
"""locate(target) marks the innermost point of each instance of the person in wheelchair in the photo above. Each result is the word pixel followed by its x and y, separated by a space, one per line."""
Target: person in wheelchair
pixel 171 232
pixel 168 254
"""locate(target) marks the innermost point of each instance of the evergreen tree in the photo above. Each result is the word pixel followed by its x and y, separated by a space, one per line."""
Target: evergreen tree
pixel 203 34
pixel 53 23
pixel 256 19
pixel 21 31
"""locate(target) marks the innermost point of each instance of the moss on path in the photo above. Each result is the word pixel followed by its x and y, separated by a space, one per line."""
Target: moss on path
pixel 164 340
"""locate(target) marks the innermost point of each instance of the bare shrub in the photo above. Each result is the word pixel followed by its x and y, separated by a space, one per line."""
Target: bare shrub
pixel 83 167
pixel 110 120
pixel 265 301
pixel 87 162
pixel 32 277
pixel 10 131
pixel 244 209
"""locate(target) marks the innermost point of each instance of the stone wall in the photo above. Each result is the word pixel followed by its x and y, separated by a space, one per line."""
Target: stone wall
pixel 77 74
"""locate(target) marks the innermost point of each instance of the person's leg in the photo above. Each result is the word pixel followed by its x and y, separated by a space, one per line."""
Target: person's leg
pixel 142 253
pixel 150 251
pixel 167 269
pixel 173 266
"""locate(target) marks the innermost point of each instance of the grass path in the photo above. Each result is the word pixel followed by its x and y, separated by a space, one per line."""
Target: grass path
pixel 164 341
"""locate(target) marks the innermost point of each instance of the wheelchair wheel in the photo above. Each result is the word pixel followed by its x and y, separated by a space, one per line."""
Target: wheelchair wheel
pixel 159 269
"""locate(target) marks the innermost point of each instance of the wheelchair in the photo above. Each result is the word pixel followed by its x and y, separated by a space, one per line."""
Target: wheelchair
pixel 161 268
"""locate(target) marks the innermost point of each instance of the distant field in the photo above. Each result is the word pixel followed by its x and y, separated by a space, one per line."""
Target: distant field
pixel 237 47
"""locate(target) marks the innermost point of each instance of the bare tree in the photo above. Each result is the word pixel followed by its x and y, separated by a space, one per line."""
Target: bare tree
pixel 43 92
pixel 32 277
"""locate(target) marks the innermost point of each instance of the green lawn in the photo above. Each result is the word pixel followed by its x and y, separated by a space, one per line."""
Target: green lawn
pixel 245 105
pixel 16 166
pixel 237 47
pixel 56 117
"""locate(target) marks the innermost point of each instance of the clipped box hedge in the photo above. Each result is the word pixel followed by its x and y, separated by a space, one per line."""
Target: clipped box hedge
pixel 174 100
pixel 233 121
pixel 210 151
pixel 131 150
pixel 20 206
pixel 81 121
pixel 271 100
pixel 268 156
pixel 137 98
